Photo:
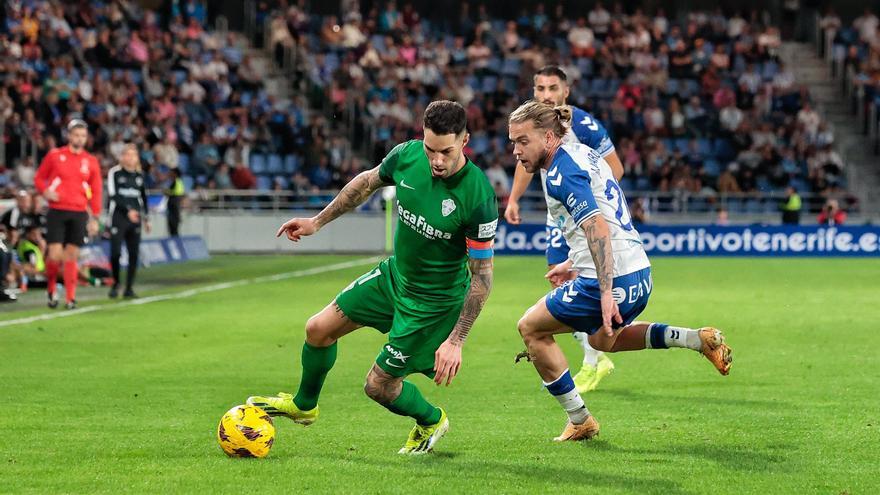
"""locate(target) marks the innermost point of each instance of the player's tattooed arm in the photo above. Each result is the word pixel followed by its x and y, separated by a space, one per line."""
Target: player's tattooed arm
pixel 351 196
pixel 481 285
pixel 599 241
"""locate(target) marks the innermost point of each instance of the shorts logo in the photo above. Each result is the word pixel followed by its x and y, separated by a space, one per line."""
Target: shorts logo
pixel 569 293
pixel 447 207
pixel 396 355
pixel 485 230
pixel 619 294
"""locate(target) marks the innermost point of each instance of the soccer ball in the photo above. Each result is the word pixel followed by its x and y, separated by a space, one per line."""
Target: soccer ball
pixel 246 431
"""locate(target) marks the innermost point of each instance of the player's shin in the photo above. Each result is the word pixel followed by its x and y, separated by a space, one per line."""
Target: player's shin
pixel 70 278
pixel 316 363
pixel 52 268
pixel 412 403
pixel 564 391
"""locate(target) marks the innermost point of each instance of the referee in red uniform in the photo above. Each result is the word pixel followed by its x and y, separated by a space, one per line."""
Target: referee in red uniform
pixel 70 179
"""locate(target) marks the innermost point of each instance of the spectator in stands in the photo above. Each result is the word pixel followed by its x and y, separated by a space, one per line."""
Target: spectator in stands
pixel 791 207
pixel 832 214
pixel 243 178
pixel 722 217
pixel 866 25
pixel 174 196
pixel 581 40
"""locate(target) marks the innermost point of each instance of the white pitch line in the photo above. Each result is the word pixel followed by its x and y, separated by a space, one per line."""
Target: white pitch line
pixel 194 292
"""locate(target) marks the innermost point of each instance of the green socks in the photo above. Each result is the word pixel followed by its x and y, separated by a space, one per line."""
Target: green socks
pixel 411 403
pixel 316 363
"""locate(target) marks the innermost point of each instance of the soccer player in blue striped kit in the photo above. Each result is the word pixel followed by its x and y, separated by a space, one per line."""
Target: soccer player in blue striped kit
pixel 614 274
pixel 551 87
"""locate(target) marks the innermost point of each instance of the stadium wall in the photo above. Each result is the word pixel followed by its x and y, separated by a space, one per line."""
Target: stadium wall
pixel 255 232
pixel 365 233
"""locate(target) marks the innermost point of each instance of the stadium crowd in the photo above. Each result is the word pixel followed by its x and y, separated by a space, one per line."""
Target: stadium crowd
pixel 699 104
pixel 857 46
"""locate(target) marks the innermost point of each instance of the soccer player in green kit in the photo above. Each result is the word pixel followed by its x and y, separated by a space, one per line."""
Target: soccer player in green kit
pixel 426 296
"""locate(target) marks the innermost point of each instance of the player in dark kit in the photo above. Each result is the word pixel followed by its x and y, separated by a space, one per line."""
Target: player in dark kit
pixel 70 179
pixel 128 211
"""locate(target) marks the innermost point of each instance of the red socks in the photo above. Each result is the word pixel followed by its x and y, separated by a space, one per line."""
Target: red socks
pixel 52 275
pixel 70 277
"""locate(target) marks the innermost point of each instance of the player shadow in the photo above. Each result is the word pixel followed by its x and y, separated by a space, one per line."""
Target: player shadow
pixel 495 475
pixel 734 457
pixel 689 401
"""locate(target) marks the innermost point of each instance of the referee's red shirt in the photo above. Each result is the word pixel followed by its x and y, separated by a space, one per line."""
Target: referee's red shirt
pixel 76 177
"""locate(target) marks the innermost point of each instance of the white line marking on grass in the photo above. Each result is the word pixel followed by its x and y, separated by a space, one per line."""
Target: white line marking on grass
pixel 195 291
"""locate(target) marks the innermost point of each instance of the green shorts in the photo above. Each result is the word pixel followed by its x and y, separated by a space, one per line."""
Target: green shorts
pixel 415 328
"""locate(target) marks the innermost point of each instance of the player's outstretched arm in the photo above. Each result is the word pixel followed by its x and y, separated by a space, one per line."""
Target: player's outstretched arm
pixel 350 197
pixel 521 179
pixel 616 165
pixel 599 241
pixel 447 359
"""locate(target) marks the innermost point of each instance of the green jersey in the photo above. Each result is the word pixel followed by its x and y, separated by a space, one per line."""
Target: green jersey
pixel 435 217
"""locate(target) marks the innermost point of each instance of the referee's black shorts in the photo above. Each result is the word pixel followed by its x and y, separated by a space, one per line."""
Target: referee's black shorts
pixel 66 227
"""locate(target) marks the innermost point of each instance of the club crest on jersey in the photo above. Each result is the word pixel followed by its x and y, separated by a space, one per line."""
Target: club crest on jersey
pixel 447 207
pixel 84 166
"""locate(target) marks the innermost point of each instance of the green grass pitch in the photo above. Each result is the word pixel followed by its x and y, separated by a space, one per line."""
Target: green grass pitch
pixel 128 399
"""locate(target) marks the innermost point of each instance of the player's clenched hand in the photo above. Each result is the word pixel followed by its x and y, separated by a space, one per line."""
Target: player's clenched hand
pixel 50 195
pixel 511 213
pixel 560 274
pixel 610 313
pixel 447 361
pixel 295 228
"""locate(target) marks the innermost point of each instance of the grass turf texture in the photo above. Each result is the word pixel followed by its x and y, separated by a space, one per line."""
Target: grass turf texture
pixel 128 399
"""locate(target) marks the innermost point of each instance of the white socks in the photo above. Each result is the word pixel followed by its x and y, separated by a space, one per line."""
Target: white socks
pixel 566 394
pixel 591 356
pixel 662 336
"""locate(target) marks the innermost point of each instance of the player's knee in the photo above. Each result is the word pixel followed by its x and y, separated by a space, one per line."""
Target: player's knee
pixel 377 391
pixel 526 329
pixel 316 333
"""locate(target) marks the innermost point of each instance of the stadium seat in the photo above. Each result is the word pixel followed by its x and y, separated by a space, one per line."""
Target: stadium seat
pixel 291 164
pixel 183 163
pixel 705 147
pixel 280 179
pixel 723 150
pixel 258 163
pixel 479 144
pixel 274 165
pixel 489 83
pixel 264 183
pixel 511 67
pixel 585 65
pixel 495 65
pixel 712 167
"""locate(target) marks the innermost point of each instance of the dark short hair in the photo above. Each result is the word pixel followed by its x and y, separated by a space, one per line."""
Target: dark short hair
pixel 552 70
pixel 445 117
